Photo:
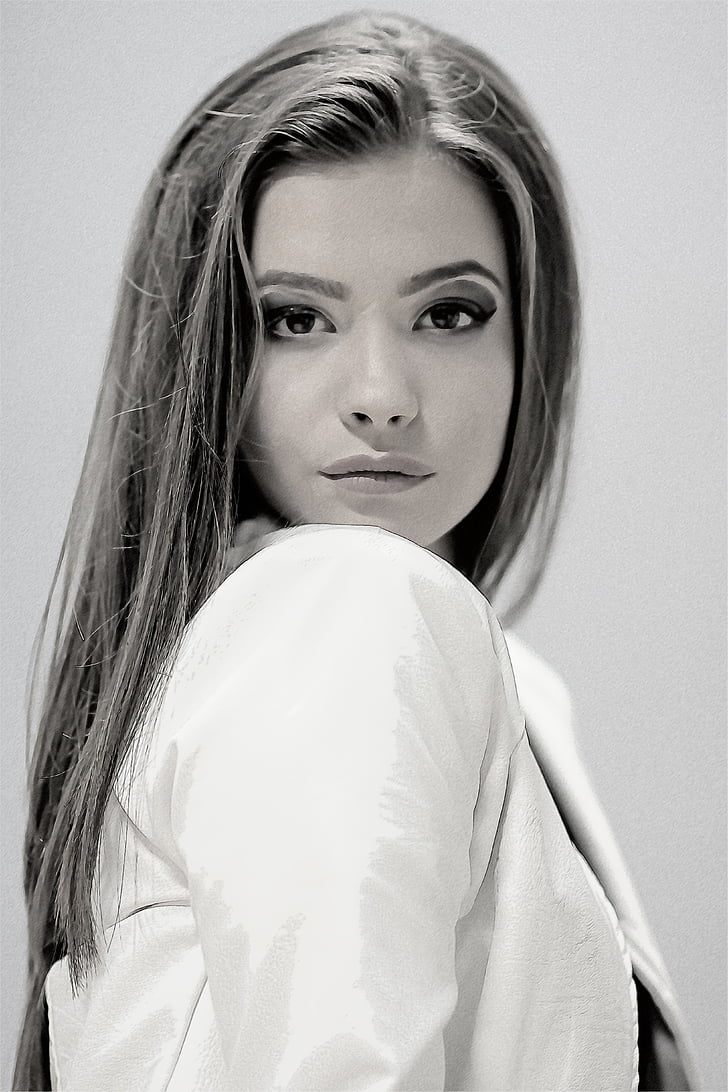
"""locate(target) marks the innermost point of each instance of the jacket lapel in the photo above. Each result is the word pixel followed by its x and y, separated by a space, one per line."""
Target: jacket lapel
pixel 546 708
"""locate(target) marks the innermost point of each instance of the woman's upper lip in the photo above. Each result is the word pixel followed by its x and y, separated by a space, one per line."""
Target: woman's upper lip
pixel 368 464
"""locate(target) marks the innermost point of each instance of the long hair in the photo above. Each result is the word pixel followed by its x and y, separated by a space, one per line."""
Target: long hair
pixel 163 482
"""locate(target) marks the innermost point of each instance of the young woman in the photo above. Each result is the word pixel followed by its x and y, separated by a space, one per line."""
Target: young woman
pixel 289 827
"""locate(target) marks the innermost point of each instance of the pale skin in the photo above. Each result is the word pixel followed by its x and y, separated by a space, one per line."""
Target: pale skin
pixel 395 358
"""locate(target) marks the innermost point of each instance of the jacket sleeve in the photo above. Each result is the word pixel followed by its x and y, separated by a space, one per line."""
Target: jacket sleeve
pixel 321 800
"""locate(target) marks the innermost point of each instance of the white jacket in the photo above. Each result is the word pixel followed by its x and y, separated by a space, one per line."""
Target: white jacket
pixel 334 862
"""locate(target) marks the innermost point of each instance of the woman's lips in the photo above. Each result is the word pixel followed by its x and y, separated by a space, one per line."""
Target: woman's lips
pixel 383 463
pixel 384 472
pixel 377 481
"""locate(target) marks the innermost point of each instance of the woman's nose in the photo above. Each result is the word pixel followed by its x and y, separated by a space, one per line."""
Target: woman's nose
pixel 379 392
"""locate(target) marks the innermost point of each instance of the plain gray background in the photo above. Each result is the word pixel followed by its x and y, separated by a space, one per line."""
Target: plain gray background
pixel 632 611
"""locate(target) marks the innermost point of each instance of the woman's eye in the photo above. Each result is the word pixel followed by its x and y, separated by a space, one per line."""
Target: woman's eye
pixel 456 315
pixel 294 321
pixel 291 322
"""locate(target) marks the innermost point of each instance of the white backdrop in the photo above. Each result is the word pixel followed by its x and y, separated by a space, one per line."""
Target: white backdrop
pixel 632 611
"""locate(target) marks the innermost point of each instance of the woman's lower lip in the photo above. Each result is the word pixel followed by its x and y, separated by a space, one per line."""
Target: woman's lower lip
pixel 377 482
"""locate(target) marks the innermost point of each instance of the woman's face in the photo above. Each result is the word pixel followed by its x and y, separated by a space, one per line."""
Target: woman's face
pixel 388 369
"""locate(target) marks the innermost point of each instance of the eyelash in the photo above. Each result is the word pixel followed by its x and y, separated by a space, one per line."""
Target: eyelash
pixel 479 315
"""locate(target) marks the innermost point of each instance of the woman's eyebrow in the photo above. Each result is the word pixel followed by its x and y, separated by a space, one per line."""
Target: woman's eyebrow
pixel 339 291
pixel 335 289
pixel 441 272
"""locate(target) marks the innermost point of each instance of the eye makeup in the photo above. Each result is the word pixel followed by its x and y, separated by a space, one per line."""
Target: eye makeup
pixel 299 315
pixel 477 314
pixel 479 303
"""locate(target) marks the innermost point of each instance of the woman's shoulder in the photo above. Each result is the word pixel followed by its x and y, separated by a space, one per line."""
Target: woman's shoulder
pixel 372 560
pixel 309 594
pixel 328 622
pixel 353 551
pixel 317 566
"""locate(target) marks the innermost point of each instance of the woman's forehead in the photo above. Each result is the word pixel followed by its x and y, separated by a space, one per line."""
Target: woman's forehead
pixel 411 207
